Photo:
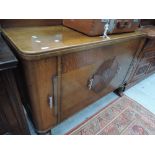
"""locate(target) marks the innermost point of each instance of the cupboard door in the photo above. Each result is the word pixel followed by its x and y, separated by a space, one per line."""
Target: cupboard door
pixel 90 74
pixel 146 65
pixel 39 76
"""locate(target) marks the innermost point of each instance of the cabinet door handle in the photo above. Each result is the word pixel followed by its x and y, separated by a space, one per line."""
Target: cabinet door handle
pixel 51 102
pixel 90 83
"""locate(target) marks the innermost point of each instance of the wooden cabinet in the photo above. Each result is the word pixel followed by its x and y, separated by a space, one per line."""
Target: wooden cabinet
pixel 145 65
pixel 12 118
pixel 66 71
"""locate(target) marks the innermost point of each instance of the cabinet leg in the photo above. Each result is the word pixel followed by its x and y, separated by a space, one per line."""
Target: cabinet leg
pixel 45 133
pixel 120 90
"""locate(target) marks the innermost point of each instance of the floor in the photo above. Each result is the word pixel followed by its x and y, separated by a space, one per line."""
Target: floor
pixel 123 116
pixel 143 93
pixel 76 119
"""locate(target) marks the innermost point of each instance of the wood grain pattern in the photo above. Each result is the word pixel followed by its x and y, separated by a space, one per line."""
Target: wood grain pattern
pixel 56 40
pixel 79 67
pixel 72 60
pixel 38 75
pixel 29 22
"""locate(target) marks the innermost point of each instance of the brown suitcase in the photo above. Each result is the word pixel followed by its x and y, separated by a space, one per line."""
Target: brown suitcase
pixel 95 27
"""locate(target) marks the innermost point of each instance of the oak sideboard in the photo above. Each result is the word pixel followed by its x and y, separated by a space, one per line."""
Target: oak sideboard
pixel 65 71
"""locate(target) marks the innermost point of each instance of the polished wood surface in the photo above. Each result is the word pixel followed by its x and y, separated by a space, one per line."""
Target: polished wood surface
pixel 38 42
pixel 107 66
pixel 38 76
pixel 63 70
pixel 5 23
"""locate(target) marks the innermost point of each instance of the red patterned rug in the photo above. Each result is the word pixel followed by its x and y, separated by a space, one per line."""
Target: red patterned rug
pixel 124 116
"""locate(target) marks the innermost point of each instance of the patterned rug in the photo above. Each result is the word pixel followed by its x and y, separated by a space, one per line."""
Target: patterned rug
pixel 123 116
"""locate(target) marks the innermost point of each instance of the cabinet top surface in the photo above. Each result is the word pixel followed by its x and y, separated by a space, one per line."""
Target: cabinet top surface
pixel 43 39
pixel 7 59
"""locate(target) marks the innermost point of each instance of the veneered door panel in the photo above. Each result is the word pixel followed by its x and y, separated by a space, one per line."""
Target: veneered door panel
pixel 88 75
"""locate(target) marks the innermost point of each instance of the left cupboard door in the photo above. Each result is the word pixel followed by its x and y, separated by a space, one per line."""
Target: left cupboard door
pixel 39 75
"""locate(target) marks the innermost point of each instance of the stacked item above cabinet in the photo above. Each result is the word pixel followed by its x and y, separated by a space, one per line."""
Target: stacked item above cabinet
pixel 98 27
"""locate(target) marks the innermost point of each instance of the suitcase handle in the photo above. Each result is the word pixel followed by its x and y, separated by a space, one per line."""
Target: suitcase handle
pixel 123 24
